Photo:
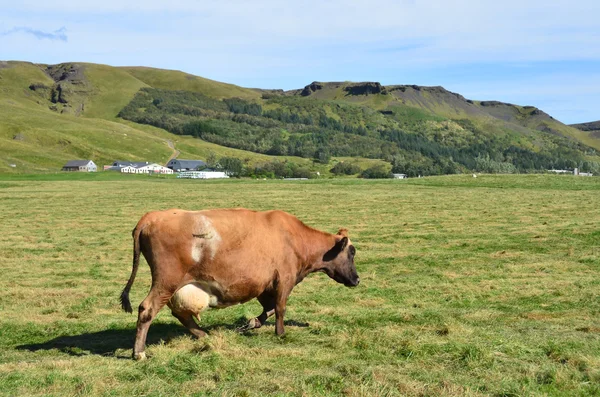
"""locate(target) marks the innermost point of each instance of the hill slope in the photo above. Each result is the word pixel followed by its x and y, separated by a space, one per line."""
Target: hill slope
pixel 441 102
pixel 591 129
pixel 421 130
pixel 52 113
pixel 591 126
pixel 176 80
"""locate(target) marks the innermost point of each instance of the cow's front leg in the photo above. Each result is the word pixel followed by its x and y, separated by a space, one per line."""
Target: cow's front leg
pixel 267 300
pixel 259 321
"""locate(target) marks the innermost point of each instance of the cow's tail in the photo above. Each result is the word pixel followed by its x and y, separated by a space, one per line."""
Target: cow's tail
pixel 125 303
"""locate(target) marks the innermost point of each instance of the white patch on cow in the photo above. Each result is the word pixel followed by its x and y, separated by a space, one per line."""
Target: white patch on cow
pixel 197 252
pixel 206 238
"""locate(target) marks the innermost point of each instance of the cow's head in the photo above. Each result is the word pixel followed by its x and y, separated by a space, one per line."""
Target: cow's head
pixel 339 261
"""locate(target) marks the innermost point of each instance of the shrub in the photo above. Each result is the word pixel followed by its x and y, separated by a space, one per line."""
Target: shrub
pixel 376 172
pixel 232 166
pixel 344 168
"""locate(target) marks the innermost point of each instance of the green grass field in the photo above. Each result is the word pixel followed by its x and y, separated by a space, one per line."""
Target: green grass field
pixel 486 286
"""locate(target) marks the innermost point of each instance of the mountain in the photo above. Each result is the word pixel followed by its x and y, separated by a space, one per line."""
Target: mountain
pixel 592 128
pixel 52 113
pixel 441 102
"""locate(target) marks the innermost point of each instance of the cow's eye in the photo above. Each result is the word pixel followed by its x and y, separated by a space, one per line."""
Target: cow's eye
pixel 352 250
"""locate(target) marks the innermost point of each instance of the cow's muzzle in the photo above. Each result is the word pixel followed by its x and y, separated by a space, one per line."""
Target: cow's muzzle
pixel 353 283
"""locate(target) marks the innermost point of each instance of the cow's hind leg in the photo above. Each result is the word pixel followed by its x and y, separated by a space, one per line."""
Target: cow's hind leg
pixel 267 300
pixel 282 294
pixel 147 311
pixel 187 320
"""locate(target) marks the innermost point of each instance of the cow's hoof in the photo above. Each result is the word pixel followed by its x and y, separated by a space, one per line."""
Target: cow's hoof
pixel 139 356
pixel 252 324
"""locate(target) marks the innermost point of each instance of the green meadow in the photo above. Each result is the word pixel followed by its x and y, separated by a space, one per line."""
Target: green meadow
pixel 485 286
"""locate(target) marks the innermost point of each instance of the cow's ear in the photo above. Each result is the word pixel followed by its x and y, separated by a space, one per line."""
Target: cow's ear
pixel 335 251
pixel 343 232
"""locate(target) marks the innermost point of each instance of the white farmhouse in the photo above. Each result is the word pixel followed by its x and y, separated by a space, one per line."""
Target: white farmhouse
pixel 80 165
pixel 129 169
pixel 154 168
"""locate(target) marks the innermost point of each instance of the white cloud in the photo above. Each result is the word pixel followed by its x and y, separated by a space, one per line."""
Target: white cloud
pixel 59 34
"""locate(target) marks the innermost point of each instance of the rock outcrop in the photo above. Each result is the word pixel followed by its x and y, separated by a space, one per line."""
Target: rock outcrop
pixel 312 87
pixel 70 72
pixel 69 90
pixel 366 88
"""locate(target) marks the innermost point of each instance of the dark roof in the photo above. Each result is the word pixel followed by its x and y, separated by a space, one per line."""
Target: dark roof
pixel 116 168
pixel 135 164
pixel 187 163
pixel 77 163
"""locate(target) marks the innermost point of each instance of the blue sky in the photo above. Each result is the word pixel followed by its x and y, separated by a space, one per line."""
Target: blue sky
pixel 540 53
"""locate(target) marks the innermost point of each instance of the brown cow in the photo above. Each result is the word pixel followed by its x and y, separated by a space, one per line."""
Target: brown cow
pixel 233 255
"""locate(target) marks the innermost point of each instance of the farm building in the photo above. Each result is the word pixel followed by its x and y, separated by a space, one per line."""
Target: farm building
pixel 399 176
pixel 143 168
pixel 120 165
pixel 154 168
pixel 128 169
pixel 202 175
pixel 135 164
pixel 579 173
pixel 575 172
pixel 138 167
pixel 185 165
pixel 80 165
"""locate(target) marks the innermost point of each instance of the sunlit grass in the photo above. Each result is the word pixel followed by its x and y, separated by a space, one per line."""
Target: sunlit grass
pixel 470 286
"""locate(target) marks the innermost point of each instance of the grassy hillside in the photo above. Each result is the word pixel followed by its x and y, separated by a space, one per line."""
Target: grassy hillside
pixel 591 126
pixel 416 140
pixel 443 103
pixel 40 140
pixel 52 113
pixel 37 134
pixel 111 89
pixel 176 80
pixel 591 129
pixel 483 286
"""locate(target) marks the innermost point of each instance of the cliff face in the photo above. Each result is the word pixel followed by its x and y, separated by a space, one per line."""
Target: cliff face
pixel 365 88
pixel 312 87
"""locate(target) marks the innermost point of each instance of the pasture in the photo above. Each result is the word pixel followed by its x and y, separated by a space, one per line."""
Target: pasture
pixel 486 286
